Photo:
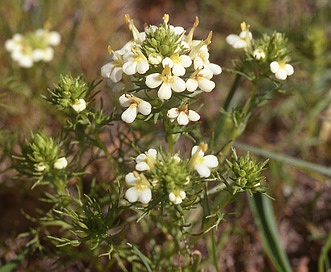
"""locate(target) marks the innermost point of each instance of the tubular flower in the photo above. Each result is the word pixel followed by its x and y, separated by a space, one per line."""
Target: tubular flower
pixel 140 188
pixel 134 105
pixel 168 82
pixel 146 161
pixel 201 163
pixel 241 41
pixel 135 62
pixel 114 69
pixel 177 197
pixel 200 78
pixel 183 115
pixel 281 69
pixel 79 105
pixel 178 63
pixel 61 163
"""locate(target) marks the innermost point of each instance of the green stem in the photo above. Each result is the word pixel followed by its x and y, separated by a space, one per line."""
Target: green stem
pixel 222 117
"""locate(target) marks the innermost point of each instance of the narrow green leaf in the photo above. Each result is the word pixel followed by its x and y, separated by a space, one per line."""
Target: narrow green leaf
pixel 141 256
pixel 264 218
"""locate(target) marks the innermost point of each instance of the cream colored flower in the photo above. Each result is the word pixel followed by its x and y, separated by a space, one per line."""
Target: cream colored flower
pixel 61 163
pixel 200 78
pixel 167 82
pixel 243 40
pixel 134 106
pixel 79 105
pixel 201 163
pixel 281 69
pixel 140 188
pixel 135 62
pixel 259 54
pixel 177 197
pixel 147 160
pixel 183 115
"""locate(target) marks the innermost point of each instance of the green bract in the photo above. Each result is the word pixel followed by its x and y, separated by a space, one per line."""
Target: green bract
pixel 247 174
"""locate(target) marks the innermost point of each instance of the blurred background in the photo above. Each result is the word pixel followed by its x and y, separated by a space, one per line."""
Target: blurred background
pixel 293 129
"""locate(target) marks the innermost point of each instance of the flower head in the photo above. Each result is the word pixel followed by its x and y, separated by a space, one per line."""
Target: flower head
pixel 183 115
pixel 201 163
pixel 33 47
pixel 134 105
pixel 139 188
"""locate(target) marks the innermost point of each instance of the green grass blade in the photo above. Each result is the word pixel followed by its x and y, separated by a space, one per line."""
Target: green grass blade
pixel 264 218
pixel 15 263
pixel 323 260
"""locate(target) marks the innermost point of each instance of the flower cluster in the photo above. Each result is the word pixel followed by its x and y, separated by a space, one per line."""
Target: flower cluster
pixel 270 49
pixel 168 175
pixel 33 47
pixel 41 156
pixel 160 63
pixel 70 93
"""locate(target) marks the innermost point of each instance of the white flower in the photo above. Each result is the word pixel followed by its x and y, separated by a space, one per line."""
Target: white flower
pixel 134 105
pixel 114 69
pixel 200 56
pixel 177 63
pixel 281 69
pixel 177 197
pixel 167 81
pixel 15 43
pixel 23 57
pixel 79 105
pixel 241 41
pixel 61 163
pixel 45 54
pixel 200 78
pixel 40 167
pixel 147 160
pixel 135 61
pixel 183 115
pixel 140 190
pixel 138 37
pixel 259 54
pixel 201 163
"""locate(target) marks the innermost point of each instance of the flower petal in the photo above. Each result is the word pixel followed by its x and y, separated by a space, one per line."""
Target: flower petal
pixel 144 107
pixel 153 80
pixel 182 119
pixel 173 113
pixel 145 196
pixel 164 91
pixel 191 84
pixel 210 161
pixel 132 194
pixel 130 114
pixel 193 116
pixel 177 84
pixel 202 170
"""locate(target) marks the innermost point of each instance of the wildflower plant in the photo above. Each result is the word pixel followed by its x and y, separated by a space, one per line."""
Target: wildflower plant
pixel 145 183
